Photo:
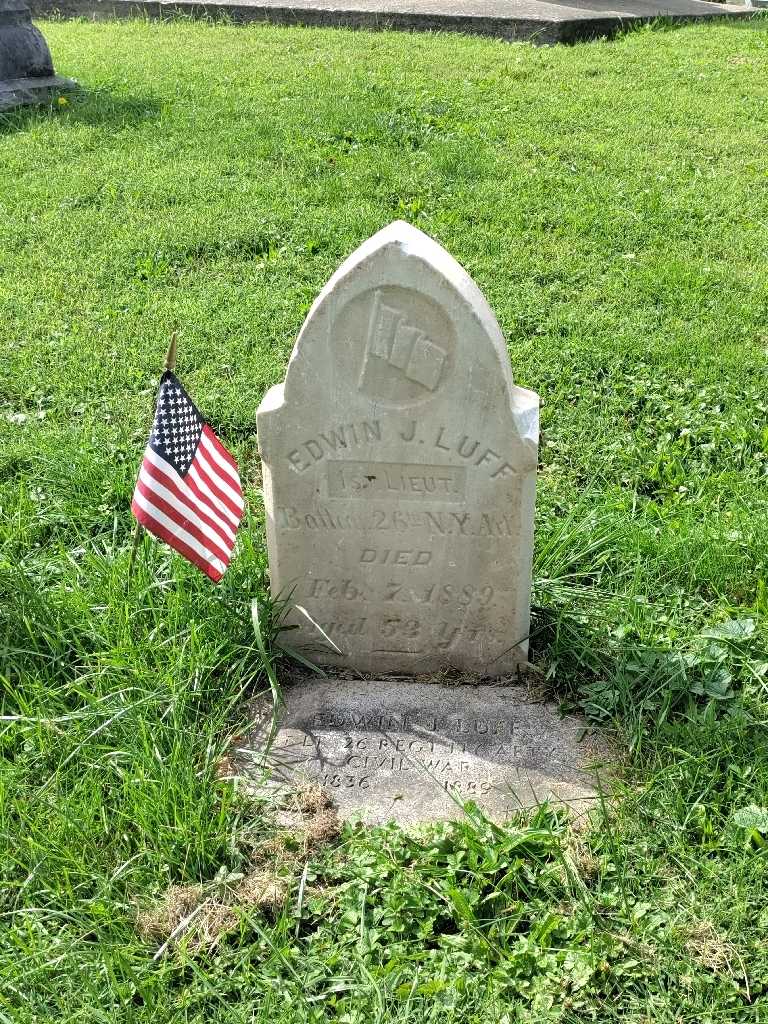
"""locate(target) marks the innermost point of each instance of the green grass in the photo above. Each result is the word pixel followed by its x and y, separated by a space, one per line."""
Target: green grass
pixel 611 199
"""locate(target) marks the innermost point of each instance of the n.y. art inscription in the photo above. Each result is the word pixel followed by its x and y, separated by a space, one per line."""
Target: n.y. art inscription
pixel 399 470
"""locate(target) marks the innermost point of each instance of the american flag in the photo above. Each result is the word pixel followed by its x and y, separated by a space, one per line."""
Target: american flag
pixel 188 492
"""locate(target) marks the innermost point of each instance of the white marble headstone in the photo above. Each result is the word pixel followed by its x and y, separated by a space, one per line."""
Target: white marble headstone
pixel 399 464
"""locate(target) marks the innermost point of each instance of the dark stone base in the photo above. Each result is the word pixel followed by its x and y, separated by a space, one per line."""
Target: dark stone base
pixel 24 92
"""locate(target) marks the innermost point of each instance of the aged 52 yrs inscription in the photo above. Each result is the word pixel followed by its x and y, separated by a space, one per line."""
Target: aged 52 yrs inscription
pixel 399 471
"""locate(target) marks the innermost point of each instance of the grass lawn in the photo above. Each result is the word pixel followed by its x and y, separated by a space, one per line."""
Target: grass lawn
pixel 611 199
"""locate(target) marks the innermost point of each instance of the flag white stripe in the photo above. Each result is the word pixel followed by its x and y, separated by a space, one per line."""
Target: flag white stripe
pixel 198 503
pixel 185 511
pixel 178 531
pixel 213 472
pixel 217 503
pixel 219 459
pixel 226 521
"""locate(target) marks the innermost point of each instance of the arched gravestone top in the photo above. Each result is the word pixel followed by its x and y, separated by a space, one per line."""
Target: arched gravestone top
pixel 399 470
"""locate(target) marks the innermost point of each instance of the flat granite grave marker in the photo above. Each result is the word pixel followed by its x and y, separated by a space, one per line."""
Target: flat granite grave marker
pixel 399 466
pixel 416 752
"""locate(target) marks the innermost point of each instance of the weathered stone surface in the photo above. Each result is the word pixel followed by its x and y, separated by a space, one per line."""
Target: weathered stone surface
pixel 22 92
pixel 399 468
pixel 402 751
pixel 23 51
pixel 26 68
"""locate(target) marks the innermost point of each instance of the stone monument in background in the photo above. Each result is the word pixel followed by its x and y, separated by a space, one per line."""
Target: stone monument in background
pixel 26 67
pixel 399 466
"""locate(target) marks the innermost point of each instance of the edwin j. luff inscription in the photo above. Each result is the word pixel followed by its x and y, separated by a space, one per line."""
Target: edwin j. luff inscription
pixel 399 470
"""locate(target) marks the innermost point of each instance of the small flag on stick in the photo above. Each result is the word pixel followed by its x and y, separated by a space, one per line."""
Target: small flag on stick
pixel 188 493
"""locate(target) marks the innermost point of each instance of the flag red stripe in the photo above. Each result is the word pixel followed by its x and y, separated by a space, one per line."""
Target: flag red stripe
pixel 197 495
pixel 207 432
pixel 230 480
pixel 216 468
pixel 157 528
pixel 176 531
pixel 199 508
pixel 200 465
pixel 223 510
pixel 188 525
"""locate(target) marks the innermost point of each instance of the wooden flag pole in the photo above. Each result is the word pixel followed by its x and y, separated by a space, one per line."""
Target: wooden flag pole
pixel 170 364
pixel 170 355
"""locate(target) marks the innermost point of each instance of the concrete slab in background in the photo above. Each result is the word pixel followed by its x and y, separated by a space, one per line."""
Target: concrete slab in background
pixel 542 21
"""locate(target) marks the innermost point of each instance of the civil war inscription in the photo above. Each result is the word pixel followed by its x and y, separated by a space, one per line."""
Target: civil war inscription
pixel 399 471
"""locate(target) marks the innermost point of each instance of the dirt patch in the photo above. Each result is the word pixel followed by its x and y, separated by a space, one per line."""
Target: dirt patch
pixel 263 890
pixel 528 674
pixel 323 827
pixel 580 858
pixel 311 799
pixel 159 922
pixel 201 915
pixel 708 947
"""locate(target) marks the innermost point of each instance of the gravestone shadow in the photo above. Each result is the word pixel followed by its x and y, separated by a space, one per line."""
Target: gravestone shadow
pixel 98 108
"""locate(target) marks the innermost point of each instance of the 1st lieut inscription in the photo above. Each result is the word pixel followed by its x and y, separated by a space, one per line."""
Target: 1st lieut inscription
pixel 396 480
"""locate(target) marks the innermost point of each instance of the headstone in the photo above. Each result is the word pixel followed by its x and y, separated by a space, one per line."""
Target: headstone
pixel 399 468
pixel 416 752
pixel 26 68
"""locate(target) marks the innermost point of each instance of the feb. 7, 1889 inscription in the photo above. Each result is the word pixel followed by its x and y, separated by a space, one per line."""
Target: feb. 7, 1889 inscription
pixel 399 470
